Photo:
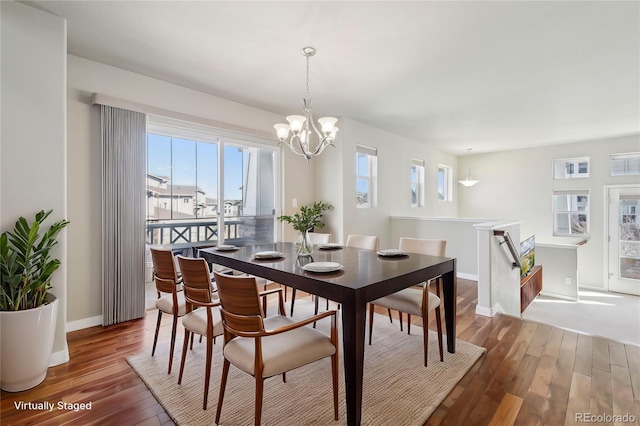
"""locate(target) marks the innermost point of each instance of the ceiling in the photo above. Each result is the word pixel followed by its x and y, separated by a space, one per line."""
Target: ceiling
pixel 484 75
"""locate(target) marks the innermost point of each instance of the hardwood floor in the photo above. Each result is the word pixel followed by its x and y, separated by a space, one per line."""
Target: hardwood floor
pixel 532 374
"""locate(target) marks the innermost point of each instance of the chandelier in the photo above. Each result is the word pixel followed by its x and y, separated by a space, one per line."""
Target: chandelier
pixel 468 181
pixel 301 126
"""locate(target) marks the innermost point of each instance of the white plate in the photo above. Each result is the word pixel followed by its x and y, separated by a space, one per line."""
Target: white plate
pixel 392 252
pixel 329 246
pixel 225 247
pixel 322 267
pixel 268 255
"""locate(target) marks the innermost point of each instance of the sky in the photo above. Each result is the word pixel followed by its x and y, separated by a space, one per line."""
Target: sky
pixel 196 163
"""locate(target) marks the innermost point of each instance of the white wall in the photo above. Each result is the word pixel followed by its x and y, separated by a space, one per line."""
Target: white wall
pixel 559 263
pixel 33 163
pixel 461 236
pixel 335 182
pixel 518 185
pixel 88 77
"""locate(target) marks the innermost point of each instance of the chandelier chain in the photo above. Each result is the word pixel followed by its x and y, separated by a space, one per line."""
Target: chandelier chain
pixel 308 95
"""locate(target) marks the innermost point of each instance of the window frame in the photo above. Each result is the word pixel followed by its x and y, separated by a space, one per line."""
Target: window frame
pixel 574 165
pixel 221 138
pixel 625 157
pixel 419 182
pixel 572 211
pixel 447 192
pixel 370 177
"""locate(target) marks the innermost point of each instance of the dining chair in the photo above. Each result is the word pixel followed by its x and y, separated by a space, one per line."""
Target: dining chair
pixel 366 242
pixel 319 238
pixel 202 313
pixel 267 347
pixel 170 295
pixel 416 300
pixel 316 238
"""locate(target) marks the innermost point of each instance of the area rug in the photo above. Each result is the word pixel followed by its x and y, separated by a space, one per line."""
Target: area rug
pixel 398 389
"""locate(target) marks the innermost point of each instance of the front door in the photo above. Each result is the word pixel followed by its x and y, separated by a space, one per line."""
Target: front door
pixel 624 239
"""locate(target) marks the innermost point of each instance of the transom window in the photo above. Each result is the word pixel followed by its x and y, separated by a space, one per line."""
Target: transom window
pixel 366 172
pixel 625 164
pixel 571 168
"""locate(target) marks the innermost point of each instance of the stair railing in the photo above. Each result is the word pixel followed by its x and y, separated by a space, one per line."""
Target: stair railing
pixel 506 238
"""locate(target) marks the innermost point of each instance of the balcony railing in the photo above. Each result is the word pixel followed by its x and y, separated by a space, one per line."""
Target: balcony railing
pixel 245 230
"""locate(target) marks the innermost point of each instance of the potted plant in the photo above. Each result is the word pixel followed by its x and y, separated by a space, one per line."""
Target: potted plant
pixel 307 219
pixel 27 309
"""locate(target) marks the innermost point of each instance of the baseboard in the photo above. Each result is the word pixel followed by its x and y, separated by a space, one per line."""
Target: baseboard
pixel 558 296
pixel 592 287
pixel 489 312
pixel 484 311
pixel 465 276
pixel 59 357
pixel 84 323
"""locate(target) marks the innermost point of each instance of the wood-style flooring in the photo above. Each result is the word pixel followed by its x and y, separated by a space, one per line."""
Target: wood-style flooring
pixel 532 374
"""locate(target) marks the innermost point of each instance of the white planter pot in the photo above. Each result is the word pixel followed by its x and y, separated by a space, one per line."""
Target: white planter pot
pixel 26 342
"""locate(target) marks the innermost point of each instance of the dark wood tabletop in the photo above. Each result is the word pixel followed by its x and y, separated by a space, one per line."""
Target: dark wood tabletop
pixel 364 277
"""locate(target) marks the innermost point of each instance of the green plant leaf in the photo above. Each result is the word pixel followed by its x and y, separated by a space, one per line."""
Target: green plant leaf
pixel 25 265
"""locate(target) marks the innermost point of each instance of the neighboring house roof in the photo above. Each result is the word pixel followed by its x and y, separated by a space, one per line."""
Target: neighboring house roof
pixel 158 177
pixel 177 191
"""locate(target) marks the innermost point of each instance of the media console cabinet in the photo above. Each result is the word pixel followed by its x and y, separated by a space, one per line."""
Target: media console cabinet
pixel 530 287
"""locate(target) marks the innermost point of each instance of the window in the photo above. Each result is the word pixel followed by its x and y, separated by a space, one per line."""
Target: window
pixel 444 183
pixel 571 168
pixel 625 164
pixel 186 204
pixel 366 171
pixel 571 213
pixel 417 183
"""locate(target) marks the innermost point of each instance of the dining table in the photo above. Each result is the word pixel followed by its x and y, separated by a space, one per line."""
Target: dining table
pixel 363 276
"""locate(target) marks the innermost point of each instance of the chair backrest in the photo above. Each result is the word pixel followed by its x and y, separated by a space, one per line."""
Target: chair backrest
pixel 196 279
pixel 241 308
pixel 317 238
pixel 163 264
pixel 423 246
pixel 367 242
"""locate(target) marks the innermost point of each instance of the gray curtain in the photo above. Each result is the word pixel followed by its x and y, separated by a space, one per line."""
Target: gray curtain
pixel 123 214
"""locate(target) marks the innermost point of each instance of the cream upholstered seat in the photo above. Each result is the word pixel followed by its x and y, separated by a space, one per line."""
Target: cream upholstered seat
pixel 266 347
pixel 203 313
pixel 172 302
pixel 416 300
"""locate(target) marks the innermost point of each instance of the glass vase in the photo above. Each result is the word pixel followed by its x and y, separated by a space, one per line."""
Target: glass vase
pixel 303 245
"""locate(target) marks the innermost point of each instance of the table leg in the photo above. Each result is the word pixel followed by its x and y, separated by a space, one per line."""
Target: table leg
pixel 449 294
pixel 353 325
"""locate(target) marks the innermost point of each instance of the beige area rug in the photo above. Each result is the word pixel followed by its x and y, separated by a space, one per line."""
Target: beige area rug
pixel 398 389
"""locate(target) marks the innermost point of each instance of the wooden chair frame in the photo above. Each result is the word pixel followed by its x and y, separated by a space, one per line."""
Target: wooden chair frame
pixel 167 280
pixel 252 326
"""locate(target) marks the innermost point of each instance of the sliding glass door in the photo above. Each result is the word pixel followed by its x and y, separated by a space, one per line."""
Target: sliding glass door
pixel 204 188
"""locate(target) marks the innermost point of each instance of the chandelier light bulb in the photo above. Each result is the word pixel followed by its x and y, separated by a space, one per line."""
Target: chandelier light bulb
pixel 327 124
pixel 282 130
pixel 296 122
